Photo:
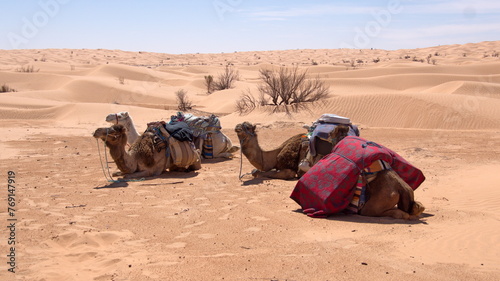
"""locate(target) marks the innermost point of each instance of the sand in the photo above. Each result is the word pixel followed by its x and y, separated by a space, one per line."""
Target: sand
pixel 71 224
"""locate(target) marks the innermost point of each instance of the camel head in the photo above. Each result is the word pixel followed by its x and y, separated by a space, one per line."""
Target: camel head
pixel 338 134
pixel 117 117
pixel 245 130
pixel 114 135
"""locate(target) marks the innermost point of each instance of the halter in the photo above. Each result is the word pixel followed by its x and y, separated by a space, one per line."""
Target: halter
pixel 250 134
pixel 108 176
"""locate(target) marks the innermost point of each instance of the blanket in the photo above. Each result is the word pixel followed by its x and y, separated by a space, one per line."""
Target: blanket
pixel 328 187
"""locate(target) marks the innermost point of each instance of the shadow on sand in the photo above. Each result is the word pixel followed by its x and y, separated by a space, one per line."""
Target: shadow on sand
pixel 374 220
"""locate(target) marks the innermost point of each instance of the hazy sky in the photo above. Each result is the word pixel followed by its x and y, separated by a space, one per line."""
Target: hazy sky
pixel 214 26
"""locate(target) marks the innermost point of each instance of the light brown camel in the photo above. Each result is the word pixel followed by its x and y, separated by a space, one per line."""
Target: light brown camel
pixel 279 163
pixel 124 118
pixel 385 191
pixel 143 159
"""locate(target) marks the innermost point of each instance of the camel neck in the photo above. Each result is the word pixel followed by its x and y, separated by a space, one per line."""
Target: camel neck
pixel 260 159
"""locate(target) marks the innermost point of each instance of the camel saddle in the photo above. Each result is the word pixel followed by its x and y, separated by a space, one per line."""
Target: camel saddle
pixel 329 186
pixel 184 153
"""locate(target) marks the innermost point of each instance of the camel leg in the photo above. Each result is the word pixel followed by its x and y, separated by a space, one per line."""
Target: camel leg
pixel 140 174
pixel 284 174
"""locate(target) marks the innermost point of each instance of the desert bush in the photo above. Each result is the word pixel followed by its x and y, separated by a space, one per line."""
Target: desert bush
pixel 209 83
pixel 27 69
pixel 246 103
pixel 289 86
pixel 376 60
pixel 5 89
pixel 226 79
pixel 121 80
pixel 183 103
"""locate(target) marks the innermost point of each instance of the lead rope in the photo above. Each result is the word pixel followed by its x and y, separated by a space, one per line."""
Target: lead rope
pixel 241 156
pixel 110 179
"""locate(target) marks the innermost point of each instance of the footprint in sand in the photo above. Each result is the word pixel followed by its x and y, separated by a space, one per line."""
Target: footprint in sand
pixel 177 245
pixel 258 218
pixel 206 236
pixel 252 229
pixel 194 224
pixel 225 216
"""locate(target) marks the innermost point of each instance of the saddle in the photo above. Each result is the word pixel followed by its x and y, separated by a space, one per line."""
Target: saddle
pixel 184 153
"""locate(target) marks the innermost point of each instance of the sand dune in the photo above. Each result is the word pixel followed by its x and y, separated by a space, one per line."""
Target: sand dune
pixel 439 107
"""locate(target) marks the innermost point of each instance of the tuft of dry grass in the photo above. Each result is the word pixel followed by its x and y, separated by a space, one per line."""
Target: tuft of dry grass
pixel 27 69
pixel 5 89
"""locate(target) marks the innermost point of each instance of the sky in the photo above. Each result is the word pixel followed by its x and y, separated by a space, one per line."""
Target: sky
pixel 223 26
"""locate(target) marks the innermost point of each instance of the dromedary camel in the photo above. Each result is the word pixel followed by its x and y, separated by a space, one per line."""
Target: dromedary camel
pixel 385 191
pixel 221 145
pixel 143 159
pixel 279 163
pixel 124 118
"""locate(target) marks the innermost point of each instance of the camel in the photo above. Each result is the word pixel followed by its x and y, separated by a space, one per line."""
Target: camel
pixel 222 147
pixel 124 119
pixel 143 159
pixel 386 190
pixel 279 163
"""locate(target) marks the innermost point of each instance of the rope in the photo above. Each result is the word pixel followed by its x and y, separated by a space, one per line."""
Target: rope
pixel 110 179
pixel 241 154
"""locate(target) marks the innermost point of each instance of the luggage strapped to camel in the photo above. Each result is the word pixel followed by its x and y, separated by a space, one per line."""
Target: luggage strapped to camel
pixel 184 153
pixel 203 128
pixel 318 136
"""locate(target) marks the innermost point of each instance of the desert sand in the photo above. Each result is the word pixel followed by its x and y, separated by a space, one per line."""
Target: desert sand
pixel 441 113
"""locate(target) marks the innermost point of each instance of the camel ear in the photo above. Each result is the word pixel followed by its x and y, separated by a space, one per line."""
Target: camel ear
pixel 254 127
pixel 120 128
pixel 125 114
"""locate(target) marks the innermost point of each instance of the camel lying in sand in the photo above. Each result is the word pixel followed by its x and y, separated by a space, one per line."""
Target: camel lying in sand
pixel 221 145
pixel 143 159
pixel 385 191
pixel 280 163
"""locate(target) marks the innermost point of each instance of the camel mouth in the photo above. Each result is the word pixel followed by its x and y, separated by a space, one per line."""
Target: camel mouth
pixel 106 133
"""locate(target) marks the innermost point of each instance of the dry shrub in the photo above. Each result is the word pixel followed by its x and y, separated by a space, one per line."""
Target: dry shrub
pixel 246 104
pixel 5 89
pixel 209 83
pixel 226 79
pixel 27 69
pixel 182 101
pixel 289 86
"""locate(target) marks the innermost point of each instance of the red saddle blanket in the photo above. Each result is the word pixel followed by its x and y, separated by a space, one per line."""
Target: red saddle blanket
pixel 328 187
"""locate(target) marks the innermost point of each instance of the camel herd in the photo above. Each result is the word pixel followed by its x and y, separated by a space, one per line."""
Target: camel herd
pixel 147 157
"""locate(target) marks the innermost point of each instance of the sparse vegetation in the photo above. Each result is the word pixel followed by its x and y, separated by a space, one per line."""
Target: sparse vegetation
pixel 5 89
pixel 226 79
pixel 376 60
pixel 27 69
pixel 247 103
pixel 121 80
pixel 289 86
pixel 183 103
pixel 209 83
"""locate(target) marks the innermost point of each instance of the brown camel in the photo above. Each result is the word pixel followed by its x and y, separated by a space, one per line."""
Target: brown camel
pixel 385 191
pixel 143 159
pixel 279 163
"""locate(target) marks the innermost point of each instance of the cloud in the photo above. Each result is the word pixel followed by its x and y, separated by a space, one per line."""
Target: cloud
pixel 438 31
pixel 409 7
